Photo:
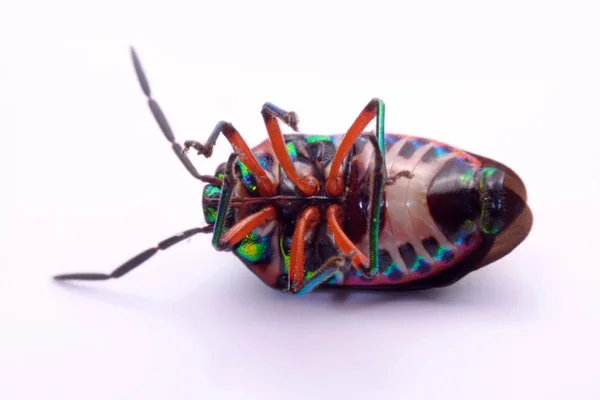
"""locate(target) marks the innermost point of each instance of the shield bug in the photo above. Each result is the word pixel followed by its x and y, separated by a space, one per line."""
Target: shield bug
pixel 355 210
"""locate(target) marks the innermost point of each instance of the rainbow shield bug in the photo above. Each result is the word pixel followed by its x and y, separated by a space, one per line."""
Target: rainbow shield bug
pixel 355 210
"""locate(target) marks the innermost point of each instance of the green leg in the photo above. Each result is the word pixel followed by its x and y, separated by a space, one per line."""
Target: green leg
pixel 224 202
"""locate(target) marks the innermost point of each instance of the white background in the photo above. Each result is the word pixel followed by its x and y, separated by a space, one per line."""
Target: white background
pixel 88 181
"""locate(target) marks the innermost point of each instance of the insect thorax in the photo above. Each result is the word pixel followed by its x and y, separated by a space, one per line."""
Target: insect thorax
pixel 266 250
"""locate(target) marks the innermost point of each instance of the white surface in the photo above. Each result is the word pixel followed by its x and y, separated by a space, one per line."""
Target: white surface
pixel 88 181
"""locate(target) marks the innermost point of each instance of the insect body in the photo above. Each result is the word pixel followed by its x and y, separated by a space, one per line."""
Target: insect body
pixel 353 210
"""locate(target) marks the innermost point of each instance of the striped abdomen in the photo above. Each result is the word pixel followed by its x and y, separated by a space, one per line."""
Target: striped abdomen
pixel 433 209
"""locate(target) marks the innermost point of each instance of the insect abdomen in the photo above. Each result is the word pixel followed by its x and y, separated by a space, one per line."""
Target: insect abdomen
pixel 420 236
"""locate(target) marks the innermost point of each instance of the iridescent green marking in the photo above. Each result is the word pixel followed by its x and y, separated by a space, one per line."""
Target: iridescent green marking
pixel 467 177
pixel 437 251
pixel 443 253
pixel 291 149
pixel 465 233
pixel 390 269
pixel 210 214
pixel 380 127
pixel 252 247
pixel 319 138
pixel 309 275
pixel 413 261
pixel 490 230
pixel 247 177
pixel 486 173
pixel 420 265
pixel 286 256
pixel 212 191
pixel 377 193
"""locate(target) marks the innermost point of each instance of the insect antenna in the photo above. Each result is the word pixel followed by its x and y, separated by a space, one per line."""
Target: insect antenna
pixel 162 122
pixel 137 260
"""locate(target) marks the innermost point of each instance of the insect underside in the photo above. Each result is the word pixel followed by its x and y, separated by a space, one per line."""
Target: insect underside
pixel 355 210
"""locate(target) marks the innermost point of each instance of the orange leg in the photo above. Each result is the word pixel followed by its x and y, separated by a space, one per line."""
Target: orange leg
pixel 334 184
pixel 359 260
pixel 308 185
pixel 305 224
pixel 240 147
pixel 240 230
